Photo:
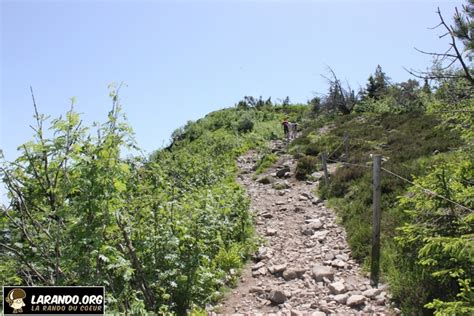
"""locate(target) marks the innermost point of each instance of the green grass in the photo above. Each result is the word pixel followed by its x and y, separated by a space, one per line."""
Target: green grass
pixel 265 162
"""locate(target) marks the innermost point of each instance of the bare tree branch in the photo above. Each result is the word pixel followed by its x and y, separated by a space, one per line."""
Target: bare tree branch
pixel 448 56
pixel 466 70
pixel 437 54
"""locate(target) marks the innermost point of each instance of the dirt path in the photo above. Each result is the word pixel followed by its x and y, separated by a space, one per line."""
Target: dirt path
pixel 305 266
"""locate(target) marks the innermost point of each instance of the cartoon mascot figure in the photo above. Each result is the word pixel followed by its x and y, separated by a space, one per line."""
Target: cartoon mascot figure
pixel 15 300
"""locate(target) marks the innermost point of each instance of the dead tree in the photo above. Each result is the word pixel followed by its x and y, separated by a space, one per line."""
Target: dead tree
pixel 339 97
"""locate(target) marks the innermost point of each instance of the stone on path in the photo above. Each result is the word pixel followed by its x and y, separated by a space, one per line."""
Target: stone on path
pixel 271 231
pixel 293 273
pixel 355 300
pixel 258 265
pixel 319 272
pixel 262 253
pixel 371 293
pixel 311 227
pixel 265 180
pixel 337 287
pixel 277 297
pixel 256 290
pixel 277 268
pixel 259 272
pixel 341 298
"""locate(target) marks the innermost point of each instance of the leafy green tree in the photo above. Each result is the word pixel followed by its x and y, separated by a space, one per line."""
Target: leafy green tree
pixel 407 97
pixel 68 198
pixel 161 234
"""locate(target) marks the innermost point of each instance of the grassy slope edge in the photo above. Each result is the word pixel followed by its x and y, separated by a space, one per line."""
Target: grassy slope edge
pixel 413 144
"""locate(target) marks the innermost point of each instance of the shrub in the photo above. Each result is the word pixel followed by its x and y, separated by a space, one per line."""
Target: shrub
pixel 264 180
pixel 341 179
pixel 438 236
pixel 280 186
pixel 161 232
pixel 312 150
pixel 245 125
pixel 265 162
pixel 306 166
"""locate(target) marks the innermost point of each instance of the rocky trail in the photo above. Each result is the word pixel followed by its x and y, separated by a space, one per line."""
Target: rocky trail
pixel 304 266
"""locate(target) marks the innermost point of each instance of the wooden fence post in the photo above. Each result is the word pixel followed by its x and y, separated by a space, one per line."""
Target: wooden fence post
pixel 325 168
pixel 375 256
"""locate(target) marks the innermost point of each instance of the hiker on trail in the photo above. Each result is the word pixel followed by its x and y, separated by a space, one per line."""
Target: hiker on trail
pixel 293 130
pixel 286 128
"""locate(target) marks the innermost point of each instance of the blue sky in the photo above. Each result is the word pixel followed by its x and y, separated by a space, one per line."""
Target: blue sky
pixel 183 59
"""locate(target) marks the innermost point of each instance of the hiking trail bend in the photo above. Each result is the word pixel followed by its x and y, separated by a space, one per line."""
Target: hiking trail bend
pixel 304 266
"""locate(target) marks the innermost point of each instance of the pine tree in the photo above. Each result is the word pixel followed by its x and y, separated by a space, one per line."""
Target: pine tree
pixel 377 85
pixel 463 28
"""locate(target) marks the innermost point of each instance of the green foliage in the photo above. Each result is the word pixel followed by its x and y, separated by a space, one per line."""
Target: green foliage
pixel 264 180
pixel 266 161
pixel 403 97
pixel 463 26
pixel 377 85
pixel 337 99
pixel 315 105
pixel 252 102
pixel 440 234
pixel 341 181
pixel 244 125
pixel 227 259
pixel 161 234
pixel 280 186
pixel 410 142
pixel 305 166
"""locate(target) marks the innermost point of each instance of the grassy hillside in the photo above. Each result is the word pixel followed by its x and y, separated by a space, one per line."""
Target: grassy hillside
pixel 409 142
pixel 427 248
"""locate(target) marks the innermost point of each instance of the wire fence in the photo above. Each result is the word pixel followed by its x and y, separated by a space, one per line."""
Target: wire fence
pixel 348 163
pixel 377 193
pixel 427 191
